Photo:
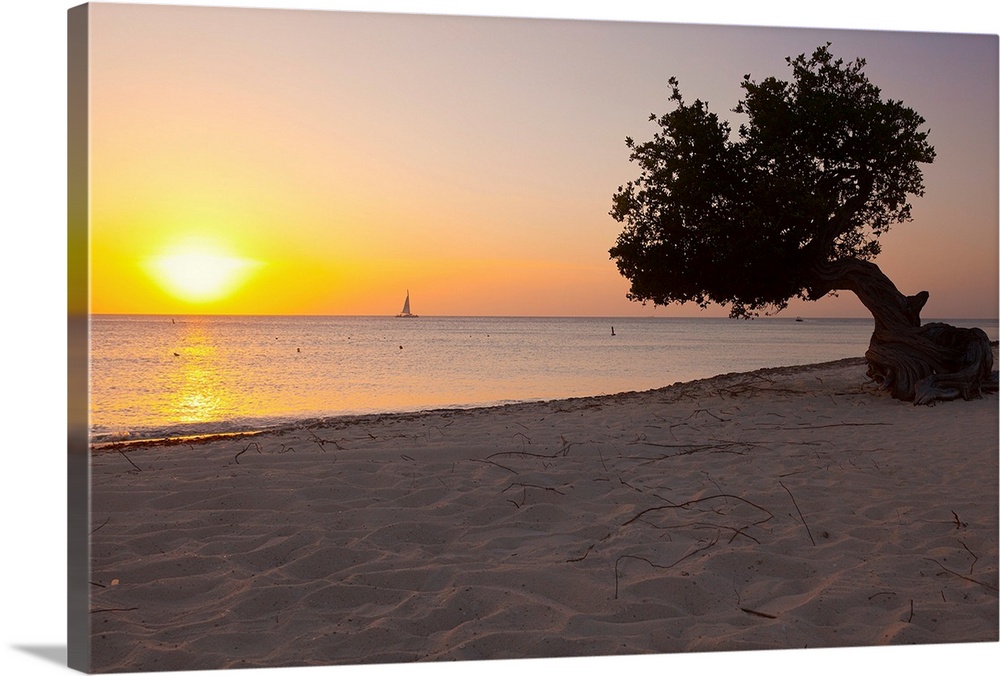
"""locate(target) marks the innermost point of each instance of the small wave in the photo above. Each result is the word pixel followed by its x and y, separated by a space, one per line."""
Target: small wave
pixel 186 433
pixel 179 432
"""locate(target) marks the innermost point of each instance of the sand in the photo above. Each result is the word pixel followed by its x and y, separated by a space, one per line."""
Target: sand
pixel 786 508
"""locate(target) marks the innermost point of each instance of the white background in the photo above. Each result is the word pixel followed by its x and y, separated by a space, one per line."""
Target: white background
pixel 33 354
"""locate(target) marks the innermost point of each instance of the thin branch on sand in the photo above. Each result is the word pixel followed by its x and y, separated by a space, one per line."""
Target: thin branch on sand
pixel 567 444
pixel 252 443
pixel 705 410
pixel 524 492
pixel 888 593
pixel 321 442
pixel 523 436
pixel 683 505
pixel 802 518
pixel 844 424
pixel 525 454
pixel 959 524
pixel 581 558
pixel 719 446
pixel 714 482
pixel 627 484
pixel 974 557
pixel 495 464
pixel 544 488
pixel 130 460
pixel 657 565
pixel 524 498
pixel 739 531
pixel 964 577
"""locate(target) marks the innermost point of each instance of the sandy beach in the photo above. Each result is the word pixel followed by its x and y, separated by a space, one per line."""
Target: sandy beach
pixel 785 508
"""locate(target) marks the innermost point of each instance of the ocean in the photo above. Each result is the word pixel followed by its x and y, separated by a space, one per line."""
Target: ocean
pixel 159 376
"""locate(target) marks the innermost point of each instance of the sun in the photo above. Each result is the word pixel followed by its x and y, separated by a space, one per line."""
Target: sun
pixel 200 272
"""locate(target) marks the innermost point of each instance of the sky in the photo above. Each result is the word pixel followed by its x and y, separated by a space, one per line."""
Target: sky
pixel 317 162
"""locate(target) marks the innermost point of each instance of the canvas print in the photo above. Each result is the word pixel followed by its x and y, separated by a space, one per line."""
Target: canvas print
pixel 405 338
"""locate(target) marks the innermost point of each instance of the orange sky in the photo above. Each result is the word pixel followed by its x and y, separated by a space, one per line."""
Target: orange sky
pixel 337 160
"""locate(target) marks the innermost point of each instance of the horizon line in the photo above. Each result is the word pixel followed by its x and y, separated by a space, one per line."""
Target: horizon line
pixel 474 316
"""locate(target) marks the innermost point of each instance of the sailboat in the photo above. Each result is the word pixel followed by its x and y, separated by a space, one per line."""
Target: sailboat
pixel 406 307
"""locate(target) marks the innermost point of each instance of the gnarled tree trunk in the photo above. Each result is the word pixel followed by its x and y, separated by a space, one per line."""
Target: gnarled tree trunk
pixel 922 364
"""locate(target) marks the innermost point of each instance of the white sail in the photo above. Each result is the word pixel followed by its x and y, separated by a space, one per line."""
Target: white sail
pixel 406 307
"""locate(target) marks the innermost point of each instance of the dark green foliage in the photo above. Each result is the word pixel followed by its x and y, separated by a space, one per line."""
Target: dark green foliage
pixel 820 169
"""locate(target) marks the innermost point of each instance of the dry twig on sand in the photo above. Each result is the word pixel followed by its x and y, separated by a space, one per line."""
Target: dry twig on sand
pixel 657 565
pixel 964 577
pixel 802 518
pixel 130 461
pixel 101 526
pixel 495 464
pixel 684 505
pixel 247 448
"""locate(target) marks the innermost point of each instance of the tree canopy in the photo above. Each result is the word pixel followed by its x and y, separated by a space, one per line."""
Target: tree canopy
pixel 821 167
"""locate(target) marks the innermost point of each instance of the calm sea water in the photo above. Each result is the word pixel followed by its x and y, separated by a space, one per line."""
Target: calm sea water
pixel 156 376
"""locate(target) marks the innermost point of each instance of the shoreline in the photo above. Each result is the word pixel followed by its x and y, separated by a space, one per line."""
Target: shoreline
pixel 349 418
pixel 249 385
pixel 783 508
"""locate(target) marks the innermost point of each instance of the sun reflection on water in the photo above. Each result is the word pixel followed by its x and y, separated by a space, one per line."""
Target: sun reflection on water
pixel 199 400
pixel 196 390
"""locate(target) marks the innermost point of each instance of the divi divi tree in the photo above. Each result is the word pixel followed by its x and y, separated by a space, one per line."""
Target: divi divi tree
pixel 793 208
